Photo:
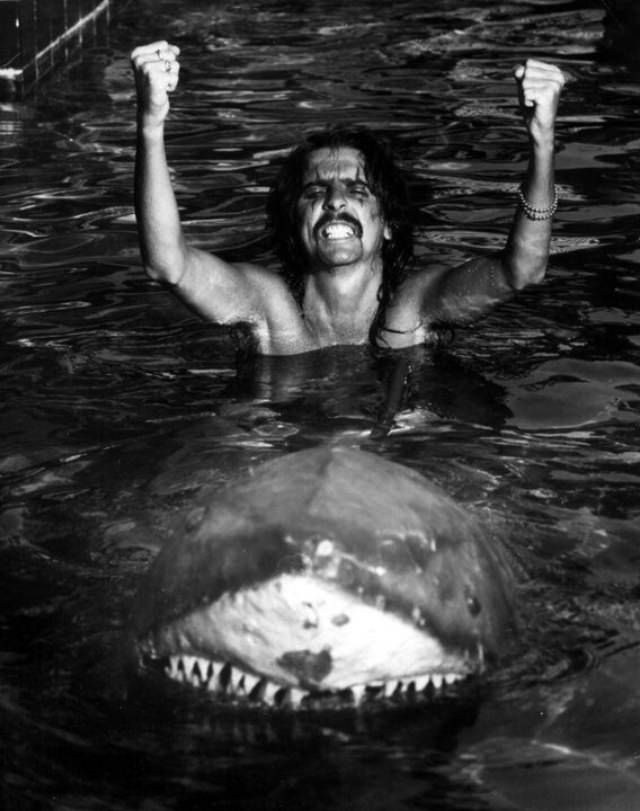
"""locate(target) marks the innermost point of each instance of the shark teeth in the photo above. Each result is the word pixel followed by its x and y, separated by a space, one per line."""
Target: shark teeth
pixel 224 680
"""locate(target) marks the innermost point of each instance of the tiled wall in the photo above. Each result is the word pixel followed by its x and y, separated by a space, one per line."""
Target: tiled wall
pixel 36 35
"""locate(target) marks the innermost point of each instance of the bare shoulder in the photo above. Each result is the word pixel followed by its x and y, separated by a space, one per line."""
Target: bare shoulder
pixel 412 297
pixel 422 279
pixel 267 288
pixel 453 294
pixel 407 320
pixel 231 292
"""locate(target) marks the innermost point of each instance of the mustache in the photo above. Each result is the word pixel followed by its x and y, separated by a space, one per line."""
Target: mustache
pixel 344 217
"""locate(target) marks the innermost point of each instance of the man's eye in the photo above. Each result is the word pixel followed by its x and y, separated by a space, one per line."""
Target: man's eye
pixel 360 189
pixel 314 191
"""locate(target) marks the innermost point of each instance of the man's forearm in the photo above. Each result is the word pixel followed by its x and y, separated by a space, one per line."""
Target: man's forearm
pixel 161 239
pixel 527 252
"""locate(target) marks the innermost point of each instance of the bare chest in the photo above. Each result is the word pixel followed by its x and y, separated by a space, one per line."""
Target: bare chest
pixel 291 331
pixel 304 334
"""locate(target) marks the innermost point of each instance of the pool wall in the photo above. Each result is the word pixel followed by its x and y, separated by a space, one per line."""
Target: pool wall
pixel 37 35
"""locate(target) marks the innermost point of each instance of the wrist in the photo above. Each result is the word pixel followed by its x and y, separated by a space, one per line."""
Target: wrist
pixel 534 210
pixel 150 127
pixel 542 141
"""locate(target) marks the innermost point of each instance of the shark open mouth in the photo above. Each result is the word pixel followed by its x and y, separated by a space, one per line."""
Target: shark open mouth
pixel 328 574
pixel 296 640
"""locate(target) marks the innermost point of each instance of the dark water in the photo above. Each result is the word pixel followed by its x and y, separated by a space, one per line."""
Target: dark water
pixel 118 405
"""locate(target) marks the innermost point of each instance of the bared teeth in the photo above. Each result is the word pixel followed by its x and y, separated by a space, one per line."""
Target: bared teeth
pixel 421 683
pixel 251 682
pixel 223 679
pixel 257 691
pixel 202 672
pixel 377 690
pixel 283 697
pixel 359 692
pixel 270 692
pixel 213 673
pixel 338 231
pixel 196 676
pixel 171 670
pixel 296 696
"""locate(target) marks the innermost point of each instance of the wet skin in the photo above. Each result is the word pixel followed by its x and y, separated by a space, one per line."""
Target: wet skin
pixel 326 570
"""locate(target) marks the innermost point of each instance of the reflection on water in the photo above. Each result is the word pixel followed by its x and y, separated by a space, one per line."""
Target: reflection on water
pixel 119 406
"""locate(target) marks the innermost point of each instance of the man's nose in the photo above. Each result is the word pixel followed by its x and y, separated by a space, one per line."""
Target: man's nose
pixel 334 198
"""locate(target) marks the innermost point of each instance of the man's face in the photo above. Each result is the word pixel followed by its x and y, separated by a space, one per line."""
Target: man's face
pixel 339 217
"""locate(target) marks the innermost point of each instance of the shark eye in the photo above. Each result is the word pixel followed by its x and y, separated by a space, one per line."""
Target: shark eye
pixel 473 604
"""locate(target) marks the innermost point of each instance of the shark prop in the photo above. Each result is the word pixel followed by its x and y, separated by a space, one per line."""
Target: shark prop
pixel 325 572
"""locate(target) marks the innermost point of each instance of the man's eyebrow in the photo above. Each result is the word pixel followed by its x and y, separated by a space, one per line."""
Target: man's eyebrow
pixel 358 181
pixel 348 181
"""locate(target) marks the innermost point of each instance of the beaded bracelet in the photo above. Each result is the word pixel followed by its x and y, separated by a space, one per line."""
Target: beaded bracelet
pixel 538 213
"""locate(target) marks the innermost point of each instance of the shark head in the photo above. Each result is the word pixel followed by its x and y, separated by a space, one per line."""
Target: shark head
pixel 329 571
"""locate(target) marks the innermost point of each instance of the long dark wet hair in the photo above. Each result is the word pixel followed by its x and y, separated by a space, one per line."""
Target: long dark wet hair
pixel 387 183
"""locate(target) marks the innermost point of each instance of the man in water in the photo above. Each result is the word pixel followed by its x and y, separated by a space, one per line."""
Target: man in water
pixel 341 230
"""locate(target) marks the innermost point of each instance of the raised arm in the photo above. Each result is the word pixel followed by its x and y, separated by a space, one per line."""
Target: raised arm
pixel 162 244
pixel 215 289
pixel 527 253
pixel 467 291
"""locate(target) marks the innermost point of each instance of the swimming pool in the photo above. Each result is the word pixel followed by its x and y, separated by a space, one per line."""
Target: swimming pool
pixel 119 405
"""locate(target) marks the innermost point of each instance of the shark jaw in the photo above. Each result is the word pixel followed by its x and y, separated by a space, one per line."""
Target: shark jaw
pixel 297 639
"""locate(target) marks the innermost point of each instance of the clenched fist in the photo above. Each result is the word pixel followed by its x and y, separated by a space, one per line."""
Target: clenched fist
pixel 156 69
pixel 539 88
